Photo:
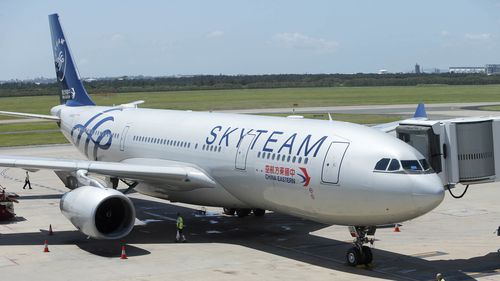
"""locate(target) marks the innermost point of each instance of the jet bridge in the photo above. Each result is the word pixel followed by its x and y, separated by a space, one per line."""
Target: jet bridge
pixel 463 150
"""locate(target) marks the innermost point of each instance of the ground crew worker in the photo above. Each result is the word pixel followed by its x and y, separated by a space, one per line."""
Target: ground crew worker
pixel 27 181
pixel 180 228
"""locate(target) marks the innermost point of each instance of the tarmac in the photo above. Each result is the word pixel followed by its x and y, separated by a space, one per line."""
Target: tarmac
pixel 458 239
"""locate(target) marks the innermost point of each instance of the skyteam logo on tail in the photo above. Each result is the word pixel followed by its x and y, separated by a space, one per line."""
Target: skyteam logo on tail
pixel 60 59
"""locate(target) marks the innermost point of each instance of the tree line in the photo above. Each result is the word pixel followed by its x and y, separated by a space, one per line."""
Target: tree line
pixel 220 82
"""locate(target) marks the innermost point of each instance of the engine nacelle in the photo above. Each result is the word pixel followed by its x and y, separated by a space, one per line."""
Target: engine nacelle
pixel 100 213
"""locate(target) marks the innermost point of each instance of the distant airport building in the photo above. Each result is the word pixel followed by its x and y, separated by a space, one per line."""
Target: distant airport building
pixel 467 69
pixel 492 69
pixel 417 68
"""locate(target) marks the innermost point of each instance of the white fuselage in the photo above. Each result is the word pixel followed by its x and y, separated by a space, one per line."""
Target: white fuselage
pixel 319 170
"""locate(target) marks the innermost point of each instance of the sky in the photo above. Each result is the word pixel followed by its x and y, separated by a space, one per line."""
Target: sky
pixel 159 38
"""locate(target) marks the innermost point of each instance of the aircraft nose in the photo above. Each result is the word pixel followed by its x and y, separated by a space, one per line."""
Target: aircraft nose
pixel 428 192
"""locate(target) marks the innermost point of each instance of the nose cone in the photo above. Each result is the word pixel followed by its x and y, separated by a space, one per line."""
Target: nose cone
pixel 428 193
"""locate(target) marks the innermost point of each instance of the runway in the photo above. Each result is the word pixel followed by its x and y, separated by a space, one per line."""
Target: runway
pixel 435 110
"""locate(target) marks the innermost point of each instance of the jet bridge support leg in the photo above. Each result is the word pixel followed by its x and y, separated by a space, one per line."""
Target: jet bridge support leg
pixel 360 254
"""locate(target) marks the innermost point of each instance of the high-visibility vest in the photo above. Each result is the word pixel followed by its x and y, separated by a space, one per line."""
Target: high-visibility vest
pixel 180 222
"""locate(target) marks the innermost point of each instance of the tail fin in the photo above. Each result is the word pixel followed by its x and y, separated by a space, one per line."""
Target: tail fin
pixel 420 112
pixel 72 91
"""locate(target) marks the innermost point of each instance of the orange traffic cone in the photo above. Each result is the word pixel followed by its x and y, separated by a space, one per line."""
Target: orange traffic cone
pixel 124 254
pixel 50 230
pixel 396 228
pixel 46 246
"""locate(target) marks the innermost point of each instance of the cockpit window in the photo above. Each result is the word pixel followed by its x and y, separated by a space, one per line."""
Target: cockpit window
pixel 382 164
pixel 411 165
pixel 425 164
pixel 394 166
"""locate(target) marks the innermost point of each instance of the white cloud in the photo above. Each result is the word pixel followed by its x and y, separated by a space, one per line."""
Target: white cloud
pixel 215 34
pixel 300 41
pixel 478 36
pixel 445 33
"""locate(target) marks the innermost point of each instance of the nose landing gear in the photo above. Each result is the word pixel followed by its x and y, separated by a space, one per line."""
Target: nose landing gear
pixel 360 254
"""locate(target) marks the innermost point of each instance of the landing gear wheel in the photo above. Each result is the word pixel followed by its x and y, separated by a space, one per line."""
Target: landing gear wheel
pixel 229 212
pixel 353 256
pixel 243 212
pixel 360 254
pixel 367 255
pixel 259 212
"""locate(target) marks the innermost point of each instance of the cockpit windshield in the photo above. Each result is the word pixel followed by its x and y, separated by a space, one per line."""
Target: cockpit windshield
pixel 405 166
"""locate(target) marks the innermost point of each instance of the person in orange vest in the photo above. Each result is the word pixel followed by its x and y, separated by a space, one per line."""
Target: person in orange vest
pixel 27 181
pixel 180 227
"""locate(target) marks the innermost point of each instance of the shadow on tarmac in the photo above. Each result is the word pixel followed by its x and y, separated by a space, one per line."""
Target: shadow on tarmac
pixel 274 233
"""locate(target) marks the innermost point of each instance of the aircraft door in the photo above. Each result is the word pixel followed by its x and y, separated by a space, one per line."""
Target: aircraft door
pixel 242 152
pixel 333 161
pixel 123 137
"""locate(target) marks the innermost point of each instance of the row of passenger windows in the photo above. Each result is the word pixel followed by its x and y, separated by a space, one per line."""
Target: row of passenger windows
pixel 387 164
pixel 97 133
pixel 213 148
pixel 153 140
pixel 281 157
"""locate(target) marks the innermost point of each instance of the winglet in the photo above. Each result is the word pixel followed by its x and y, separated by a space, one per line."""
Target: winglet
pixel 420 112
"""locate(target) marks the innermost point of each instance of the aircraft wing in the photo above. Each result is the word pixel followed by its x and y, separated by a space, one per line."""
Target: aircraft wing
pixel 30 115
pixel 420 114
pixel 179 175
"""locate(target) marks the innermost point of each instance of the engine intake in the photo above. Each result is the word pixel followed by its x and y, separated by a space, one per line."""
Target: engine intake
pixel 100 213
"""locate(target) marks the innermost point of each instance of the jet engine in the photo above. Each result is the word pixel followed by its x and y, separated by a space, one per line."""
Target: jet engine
pixel 101 213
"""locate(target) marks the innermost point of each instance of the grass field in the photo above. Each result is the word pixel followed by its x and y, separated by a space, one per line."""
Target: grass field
pixel 268 98
pixel 254 98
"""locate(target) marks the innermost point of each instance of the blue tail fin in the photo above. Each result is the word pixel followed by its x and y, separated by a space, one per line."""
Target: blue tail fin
pixel 72 91
pixel 420 112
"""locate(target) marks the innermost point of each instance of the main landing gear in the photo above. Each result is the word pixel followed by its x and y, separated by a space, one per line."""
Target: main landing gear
pixel 360 254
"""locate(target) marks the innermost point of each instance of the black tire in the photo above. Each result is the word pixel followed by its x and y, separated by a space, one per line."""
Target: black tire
pixel 243 212
pixel 367 255
pixel 259 212
pixel 353 256
pixel 229 212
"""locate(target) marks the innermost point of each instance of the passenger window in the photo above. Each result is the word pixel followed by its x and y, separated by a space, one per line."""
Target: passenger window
pixel 394 166
pixel 382 164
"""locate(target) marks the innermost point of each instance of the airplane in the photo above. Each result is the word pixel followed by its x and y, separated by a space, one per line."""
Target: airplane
pixel 323 170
